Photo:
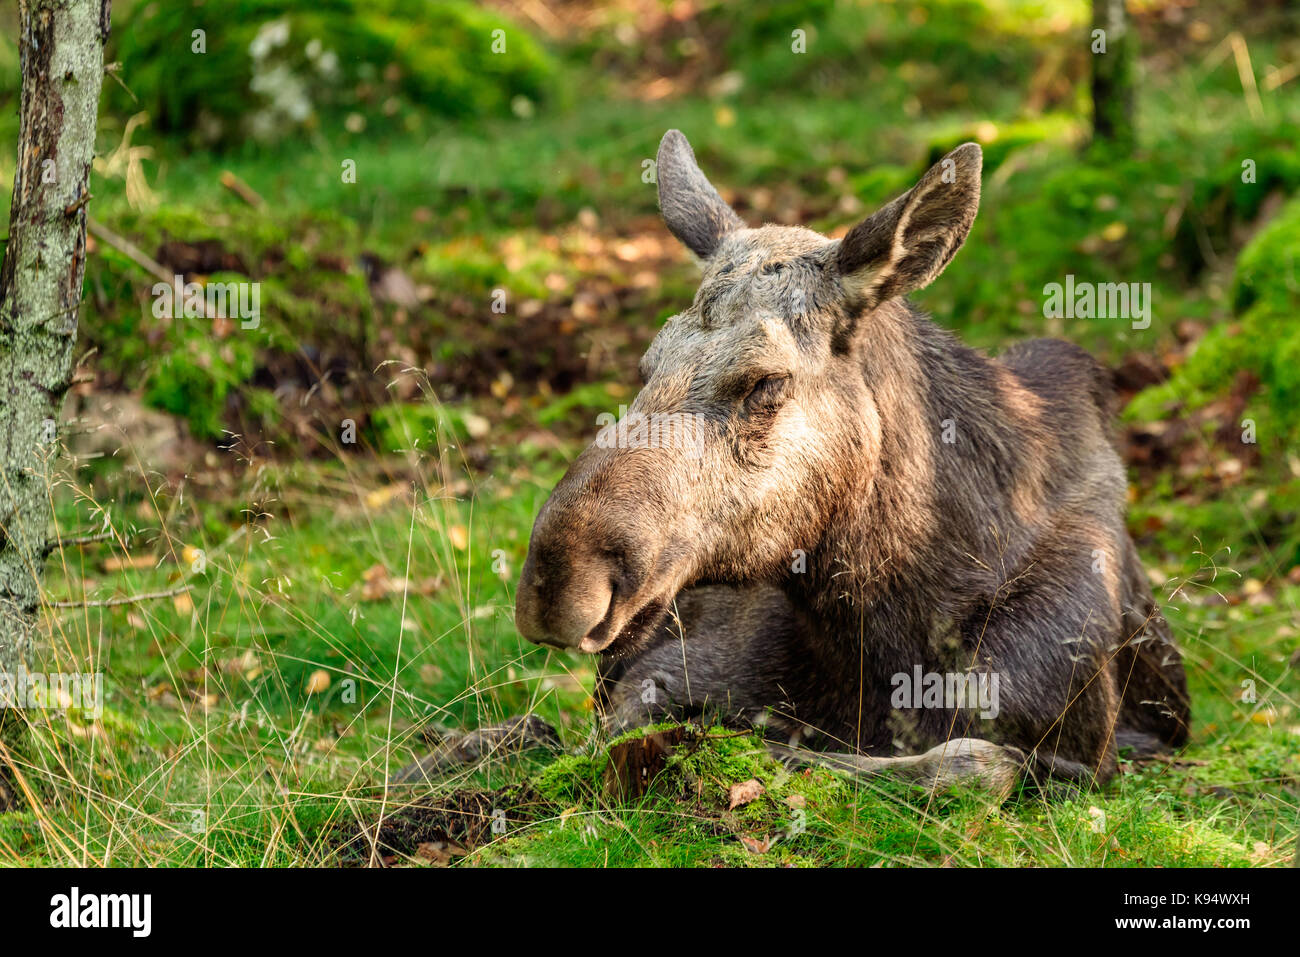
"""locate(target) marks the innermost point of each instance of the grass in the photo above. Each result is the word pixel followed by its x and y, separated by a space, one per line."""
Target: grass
pixel 349 600
pixel 217 745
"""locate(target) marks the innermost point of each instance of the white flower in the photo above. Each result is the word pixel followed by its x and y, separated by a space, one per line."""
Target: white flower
pixel 270 35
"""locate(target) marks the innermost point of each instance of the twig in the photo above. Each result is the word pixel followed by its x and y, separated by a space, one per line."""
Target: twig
pixel 241 189
pixel 81 201
pixel 1278 76
pixel 79 540
pixel 130 251
pixel 111 71
pixel 1246 73
pixel 134 253
pixel 128 600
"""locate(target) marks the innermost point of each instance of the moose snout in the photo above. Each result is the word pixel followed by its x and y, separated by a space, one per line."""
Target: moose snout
pixel 563 599
pixel 594 556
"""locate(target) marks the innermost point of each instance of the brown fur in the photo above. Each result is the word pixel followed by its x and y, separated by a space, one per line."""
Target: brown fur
pixel 955 512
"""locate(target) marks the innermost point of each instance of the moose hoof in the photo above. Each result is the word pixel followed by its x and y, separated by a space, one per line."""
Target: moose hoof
pixel 969 762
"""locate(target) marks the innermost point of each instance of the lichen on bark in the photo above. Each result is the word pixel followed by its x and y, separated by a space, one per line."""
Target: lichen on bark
pixel 62 55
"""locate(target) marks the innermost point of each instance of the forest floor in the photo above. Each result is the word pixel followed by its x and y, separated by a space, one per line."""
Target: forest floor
pixel 332 606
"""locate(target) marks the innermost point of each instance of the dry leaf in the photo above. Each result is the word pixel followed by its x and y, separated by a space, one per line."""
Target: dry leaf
pixel 743 793
pixel 375 583
pixel 439 852
pixel 756 845
pixel 1267 715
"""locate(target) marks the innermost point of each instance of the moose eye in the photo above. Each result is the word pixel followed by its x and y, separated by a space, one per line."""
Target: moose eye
pixel 767 394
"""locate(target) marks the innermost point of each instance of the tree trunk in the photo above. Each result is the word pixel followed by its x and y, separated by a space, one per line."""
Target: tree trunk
pixel 62 50
pixel 1113 75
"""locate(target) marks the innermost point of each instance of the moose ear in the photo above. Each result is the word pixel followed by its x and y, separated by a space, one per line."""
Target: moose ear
pixel 904 245
pixel 691 207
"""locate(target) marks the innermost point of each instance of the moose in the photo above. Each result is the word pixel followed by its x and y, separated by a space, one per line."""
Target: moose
pixel 868 499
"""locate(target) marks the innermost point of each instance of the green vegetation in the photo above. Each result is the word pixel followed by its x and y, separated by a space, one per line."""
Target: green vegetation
pixel 193 65
pixel 353 593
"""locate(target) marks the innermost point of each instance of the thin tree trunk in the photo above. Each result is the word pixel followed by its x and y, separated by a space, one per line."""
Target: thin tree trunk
pixel 1113 75
pixel 62 50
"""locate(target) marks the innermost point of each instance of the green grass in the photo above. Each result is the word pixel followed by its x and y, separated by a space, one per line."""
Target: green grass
pixel 213 750
pixel 387 567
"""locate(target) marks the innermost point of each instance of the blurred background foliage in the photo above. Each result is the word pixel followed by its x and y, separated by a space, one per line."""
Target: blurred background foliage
pixel 274 68
pixel 503 145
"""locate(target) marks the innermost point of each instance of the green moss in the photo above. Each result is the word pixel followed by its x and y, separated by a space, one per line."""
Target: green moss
pixel 271 82
pixel 1268 269
pixel 571 779
pixel 1264 342
pixel 197 373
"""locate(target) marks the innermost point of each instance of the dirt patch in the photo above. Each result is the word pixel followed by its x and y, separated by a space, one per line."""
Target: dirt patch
pixel 443 828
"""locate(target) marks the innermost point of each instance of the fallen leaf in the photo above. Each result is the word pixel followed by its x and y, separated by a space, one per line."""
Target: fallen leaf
pixel 476 425
pixel 743 793
pixel 439 852
pixel 1266 715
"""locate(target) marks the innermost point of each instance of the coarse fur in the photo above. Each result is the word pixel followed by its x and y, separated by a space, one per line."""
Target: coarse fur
pixel 868 497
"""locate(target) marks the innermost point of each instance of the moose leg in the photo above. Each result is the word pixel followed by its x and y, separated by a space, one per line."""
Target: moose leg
pixel 1050 635
pixel 726 652
pixel 1155 710
pixel 736 654
pixel 966 762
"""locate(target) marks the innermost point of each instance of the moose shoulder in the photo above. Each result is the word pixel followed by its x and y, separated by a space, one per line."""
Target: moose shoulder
pixel 877 542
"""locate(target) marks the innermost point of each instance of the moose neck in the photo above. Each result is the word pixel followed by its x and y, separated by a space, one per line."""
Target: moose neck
pixel 897 552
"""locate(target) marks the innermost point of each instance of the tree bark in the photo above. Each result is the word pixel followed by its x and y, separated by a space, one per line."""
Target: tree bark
pixel 1113 76
pixel 62 52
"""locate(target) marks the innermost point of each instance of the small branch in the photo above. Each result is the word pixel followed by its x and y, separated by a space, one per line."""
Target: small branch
pixel 134 253
pixel 128 600
pixel 59 543
pixel 72 208
pixel 130 251
pixel 242 189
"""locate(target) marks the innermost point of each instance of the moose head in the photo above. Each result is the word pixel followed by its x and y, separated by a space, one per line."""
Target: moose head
pixel 777 389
